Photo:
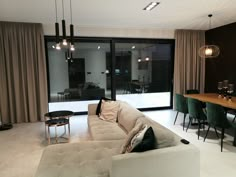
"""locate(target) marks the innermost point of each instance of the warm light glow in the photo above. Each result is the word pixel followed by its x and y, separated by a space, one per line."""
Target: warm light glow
pixel 147 58
pixel 64 42
pixel 208 51
pixel 151 6
pixel 139 60
pixel 58 47
pixel 72 47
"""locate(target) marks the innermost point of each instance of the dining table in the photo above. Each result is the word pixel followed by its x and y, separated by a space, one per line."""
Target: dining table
pixel 216 99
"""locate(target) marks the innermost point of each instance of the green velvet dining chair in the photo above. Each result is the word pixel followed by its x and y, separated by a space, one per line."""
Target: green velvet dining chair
pixel 217 117
pixel 181 106
pixel 195 112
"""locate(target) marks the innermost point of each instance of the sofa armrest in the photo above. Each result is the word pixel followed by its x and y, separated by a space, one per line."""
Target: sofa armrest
pixel 180 160
pixel 92 109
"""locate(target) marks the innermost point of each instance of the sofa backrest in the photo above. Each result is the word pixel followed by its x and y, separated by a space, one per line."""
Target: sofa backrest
pixel 127 116
pixel 164 136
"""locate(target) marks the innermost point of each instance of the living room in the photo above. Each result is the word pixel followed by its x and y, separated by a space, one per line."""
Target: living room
pixel 23 145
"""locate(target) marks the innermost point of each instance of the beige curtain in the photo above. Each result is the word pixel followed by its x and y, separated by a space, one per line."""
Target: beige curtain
pixel 23 79
pixel 189 68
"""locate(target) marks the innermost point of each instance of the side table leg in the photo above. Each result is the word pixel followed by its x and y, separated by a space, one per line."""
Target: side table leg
pixel 49 135
pixel 56 134
pixel 69 130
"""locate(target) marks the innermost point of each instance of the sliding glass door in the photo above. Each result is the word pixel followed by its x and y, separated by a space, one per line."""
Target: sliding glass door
pixel 143 73
pixel 78 78
pixel 136 71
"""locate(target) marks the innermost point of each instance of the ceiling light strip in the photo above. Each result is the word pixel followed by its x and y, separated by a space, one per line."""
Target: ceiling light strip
pixel 151 6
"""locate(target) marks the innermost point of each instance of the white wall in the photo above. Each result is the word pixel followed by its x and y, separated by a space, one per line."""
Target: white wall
pixel 115 32
pixel 58 71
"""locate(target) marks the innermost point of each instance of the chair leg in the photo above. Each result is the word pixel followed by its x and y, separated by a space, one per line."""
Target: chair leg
pixel 184 121
pixel 176 117
pixel 222 137
pixel 199 126
pixel 190 121
pixel 216 132
pixel 207 133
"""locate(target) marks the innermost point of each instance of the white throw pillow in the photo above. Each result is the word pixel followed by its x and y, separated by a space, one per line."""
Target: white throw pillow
pixel 138 126
pixel 137 138
pixel 109 110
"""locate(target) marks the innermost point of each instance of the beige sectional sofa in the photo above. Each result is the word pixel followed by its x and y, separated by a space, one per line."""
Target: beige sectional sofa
pixel 101 157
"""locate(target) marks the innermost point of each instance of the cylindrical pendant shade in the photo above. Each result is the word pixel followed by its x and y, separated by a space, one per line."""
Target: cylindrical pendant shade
pixel 72 34
pixel 64 30
pixel 209 51
pixel 57 32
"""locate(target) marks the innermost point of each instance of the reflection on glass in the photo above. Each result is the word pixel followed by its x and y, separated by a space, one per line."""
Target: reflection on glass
pixel 144 77
pixel 80 75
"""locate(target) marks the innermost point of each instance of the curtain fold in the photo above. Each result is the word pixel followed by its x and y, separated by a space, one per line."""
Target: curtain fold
pixel 23 78
pixel 189 68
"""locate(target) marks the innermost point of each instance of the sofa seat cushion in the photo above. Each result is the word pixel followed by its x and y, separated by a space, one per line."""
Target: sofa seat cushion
pixel 127 116
pixel 89 158
pixel 104 130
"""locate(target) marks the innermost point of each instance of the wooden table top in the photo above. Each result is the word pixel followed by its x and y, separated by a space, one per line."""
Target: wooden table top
pixel 213 98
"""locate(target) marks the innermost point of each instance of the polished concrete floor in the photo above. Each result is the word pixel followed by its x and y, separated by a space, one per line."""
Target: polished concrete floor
pixel 22 146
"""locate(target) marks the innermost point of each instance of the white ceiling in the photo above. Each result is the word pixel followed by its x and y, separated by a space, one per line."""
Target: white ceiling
pixel 170 14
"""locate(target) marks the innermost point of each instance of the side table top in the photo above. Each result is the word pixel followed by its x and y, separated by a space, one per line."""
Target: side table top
pixel 56 114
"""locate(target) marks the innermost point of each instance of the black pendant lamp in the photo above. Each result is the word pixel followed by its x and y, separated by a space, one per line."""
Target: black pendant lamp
pixel 58 47
pixel 72 47
pixel 64 41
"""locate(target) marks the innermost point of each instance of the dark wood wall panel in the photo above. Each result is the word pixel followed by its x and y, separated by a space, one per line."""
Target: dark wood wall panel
pixel 224 66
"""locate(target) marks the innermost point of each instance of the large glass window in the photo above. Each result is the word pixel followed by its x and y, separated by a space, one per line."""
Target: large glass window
pixel 78 78
pixel 143 74
pixel 138 72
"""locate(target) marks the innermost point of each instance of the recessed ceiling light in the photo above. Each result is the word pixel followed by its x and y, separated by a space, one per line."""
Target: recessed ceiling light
pixel 133 47
pixel 151 6
pixel 53 47
pixel 99 47
pixel 147 58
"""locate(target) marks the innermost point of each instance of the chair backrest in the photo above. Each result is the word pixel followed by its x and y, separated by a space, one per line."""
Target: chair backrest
pixel 192 91
pixel 181 103
pixel 195 109
pixel 216 116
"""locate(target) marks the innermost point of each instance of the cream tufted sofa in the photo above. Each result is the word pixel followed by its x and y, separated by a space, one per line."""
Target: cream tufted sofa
pixel 101 157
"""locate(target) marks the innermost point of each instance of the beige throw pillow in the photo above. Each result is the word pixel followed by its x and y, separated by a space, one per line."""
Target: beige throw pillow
pixel 138 126
pixel 109 110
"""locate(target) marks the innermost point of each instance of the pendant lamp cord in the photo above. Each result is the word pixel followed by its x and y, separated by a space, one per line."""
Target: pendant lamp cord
pixel 62 8
pixel 70 12
pixel 56 9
